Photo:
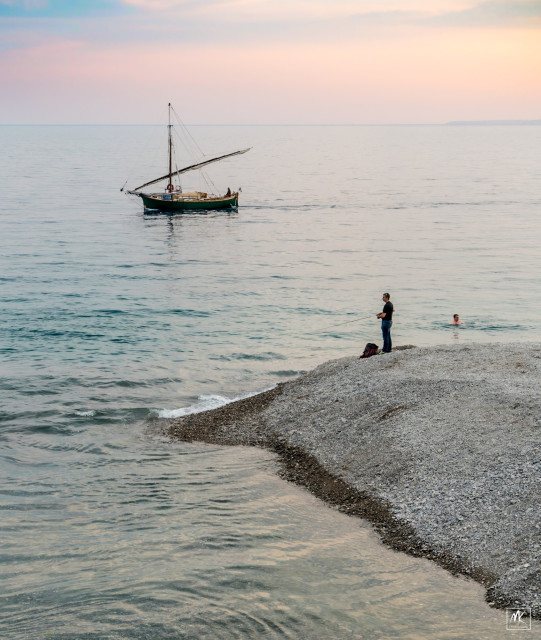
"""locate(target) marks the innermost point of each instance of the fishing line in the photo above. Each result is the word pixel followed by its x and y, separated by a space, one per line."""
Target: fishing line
pixel 343 323
pixel 321 330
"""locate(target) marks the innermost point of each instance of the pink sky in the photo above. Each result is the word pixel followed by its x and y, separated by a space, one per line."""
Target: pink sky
pixel 257 61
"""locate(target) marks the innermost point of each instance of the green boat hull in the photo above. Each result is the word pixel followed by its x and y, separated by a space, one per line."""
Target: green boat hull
pixel 156 202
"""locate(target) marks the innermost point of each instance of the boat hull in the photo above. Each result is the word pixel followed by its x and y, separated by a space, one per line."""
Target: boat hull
pixel 158 203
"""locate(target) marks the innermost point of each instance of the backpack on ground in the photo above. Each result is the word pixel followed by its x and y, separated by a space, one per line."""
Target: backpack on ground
pixel 371 349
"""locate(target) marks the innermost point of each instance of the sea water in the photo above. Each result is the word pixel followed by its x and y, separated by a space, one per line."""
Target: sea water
pixel 113 319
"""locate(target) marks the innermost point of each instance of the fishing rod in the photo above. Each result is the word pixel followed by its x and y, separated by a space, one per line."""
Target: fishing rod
pixel 343 323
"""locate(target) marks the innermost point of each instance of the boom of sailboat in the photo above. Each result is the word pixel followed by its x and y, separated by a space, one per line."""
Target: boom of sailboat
pixel 174 198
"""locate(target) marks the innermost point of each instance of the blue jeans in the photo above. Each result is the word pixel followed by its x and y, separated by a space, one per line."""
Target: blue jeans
pixel 386 331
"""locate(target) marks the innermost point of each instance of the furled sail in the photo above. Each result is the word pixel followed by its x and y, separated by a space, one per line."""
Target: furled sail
pixel 192 168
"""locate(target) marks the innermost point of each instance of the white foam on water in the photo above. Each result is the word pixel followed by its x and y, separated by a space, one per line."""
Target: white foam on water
pixel 204 403
pixel 85 414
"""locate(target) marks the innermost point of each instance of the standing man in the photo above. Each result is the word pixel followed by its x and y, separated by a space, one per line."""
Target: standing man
pixel 386 317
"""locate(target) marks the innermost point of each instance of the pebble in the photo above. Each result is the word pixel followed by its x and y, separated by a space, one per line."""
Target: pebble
pixel 447 437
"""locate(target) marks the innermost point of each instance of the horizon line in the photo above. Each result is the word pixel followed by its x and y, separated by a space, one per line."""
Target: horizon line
pixel 290 124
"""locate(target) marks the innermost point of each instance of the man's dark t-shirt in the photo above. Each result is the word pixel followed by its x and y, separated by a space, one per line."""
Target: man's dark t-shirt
pixel 388 310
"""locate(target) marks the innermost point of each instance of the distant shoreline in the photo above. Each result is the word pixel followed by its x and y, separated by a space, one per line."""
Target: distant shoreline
pixel 436 447
pixel 494 123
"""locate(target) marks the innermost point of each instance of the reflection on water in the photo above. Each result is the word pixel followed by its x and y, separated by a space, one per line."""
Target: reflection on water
pixel 111 317
pixel 123 537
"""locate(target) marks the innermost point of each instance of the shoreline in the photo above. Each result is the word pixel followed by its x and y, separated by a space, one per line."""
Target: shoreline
pixel 417 442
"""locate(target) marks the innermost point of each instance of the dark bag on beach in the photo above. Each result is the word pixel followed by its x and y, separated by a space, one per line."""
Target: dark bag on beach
pixel 371 349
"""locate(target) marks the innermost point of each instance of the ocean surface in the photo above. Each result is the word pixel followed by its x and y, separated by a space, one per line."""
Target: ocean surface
pixel 113 319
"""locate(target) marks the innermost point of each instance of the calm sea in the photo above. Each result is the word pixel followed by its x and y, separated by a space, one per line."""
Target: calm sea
pixel 112 318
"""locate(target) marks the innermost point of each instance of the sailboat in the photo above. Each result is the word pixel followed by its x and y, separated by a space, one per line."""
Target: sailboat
pixel 174 198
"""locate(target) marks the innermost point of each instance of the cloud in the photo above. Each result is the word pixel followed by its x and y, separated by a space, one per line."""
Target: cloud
pixel 25 5
pixel 265 68
pixel 60 8
pixel 390 18
pixel 250 23
pixel 161 5
pixel 495 13
pixel 510 14
pixel 253 21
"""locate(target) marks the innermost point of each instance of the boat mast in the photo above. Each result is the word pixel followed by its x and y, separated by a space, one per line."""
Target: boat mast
pixel 170 185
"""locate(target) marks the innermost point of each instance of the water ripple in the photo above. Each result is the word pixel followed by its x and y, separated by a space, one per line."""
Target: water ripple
pixel 113 319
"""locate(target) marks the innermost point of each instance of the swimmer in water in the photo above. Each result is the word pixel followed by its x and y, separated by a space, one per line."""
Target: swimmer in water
pixel 456 319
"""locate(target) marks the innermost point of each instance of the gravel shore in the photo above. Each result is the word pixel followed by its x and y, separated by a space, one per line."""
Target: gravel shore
pixel 438 447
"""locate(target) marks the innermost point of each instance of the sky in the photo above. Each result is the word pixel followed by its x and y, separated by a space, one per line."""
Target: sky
pixel 269 61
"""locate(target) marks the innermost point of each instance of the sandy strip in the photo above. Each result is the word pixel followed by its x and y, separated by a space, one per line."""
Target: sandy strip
pixel 439 448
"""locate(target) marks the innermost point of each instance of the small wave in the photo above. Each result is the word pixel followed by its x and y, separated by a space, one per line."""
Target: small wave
pixel 190 313
pixel 506 327
pixel 269 355
pixel 479 325
pixel 85 414
pixel 289 373
pixel 204 403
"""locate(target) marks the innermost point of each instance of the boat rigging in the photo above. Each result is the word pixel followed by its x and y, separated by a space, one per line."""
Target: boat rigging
pixel 173 198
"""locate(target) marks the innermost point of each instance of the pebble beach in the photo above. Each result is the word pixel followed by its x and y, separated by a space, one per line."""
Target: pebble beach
pixel 438 447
